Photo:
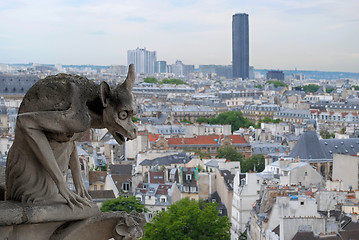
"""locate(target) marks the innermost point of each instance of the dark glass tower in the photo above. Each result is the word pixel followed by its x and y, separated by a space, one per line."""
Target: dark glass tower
pixel 240 46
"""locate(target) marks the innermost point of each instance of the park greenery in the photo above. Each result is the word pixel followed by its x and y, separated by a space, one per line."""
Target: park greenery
pixel 277 83
pixel 164 81
pixel 235 118
pixel 123 203
pixel 172 81
pixel 188 219
pixel 185 120
pixel 150 80
pixel 258 86
pixel 310 88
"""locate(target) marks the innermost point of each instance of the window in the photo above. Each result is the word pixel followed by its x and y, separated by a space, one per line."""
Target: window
pixel 258 192
pixel 302 203
pixel 125 187
pixel 188 177
pixel 101 187
pixel 257 181
pixel 306 174
pixel 163 209
pixel 150 216
pixel 95 187
pixel 220 211
pixel 163 199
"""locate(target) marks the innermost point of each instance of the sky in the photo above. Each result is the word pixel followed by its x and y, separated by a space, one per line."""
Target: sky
pixel 284 34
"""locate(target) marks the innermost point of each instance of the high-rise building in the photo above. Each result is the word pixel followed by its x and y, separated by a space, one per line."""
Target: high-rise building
pixel 240 46
pixel 180 69
pixel 275 75
pixel 161 67
pixel 143 60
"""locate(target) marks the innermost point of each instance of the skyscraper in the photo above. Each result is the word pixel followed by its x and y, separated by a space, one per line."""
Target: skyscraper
pixel 240 46
pixel 143 60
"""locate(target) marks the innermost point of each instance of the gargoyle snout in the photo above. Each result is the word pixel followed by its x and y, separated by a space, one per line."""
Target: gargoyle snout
pixel 132 134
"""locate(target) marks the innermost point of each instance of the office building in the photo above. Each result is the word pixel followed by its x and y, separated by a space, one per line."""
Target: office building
pixel 240 46
pixel 275 75
pixel 143 60
pixel 161 67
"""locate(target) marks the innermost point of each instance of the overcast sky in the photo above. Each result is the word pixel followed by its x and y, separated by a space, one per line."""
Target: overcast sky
pixel 284 34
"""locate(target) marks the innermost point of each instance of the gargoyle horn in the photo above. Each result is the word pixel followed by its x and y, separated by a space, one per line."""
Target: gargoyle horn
pixel 130 79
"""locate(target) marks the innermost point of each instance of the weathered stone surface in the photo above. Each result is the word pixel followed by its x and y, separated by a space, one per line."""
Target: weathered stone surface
pixel 40 231
pixel 14 213
pixel 54 113
pixel 118 225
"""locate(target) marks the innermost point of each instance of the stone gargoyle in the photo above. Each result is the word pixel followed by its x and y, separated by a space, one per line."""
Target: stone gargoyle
pixel 54 113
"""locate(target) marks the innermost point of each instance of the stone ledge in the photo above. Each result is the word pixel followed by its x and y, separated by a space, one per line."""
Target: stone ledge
pixel 15 213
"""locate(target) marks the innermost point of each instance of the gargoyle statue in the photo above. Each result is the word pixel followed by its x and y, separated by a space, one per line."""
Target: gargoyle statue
pixel 54 113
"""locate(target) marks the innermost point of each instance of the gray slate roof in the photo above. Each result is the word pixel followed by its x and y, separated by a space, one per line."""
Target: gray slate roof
pixel 122 169
pixel 167 160
pixel 16 84
pixel 309 147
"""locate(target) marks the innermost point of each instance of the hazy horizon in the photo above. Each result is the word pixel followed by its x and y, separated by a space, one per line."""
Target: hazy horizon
pixel 310 35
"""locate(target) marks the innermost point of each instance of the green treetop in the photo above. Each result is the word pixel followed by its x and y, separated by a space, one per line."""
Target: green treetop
pixel 122 203
pixel 277 83
pixel 188 219
pixel 172 81
pixel 229 153
pixel 254 163
pixel 150 80
pixel 310 88
pixel 234 118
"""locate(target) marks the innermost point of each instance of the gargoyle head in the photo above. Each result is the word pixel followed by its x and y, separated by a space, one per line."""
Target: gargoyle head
pixel 119 107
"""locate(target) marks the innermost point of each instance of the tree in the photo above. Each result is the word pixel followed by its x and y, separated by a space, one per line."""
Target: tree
pixel 188 219
pixel 255 162
pixel 258 86
pixel 230 153
pixel 122 203
pixel 135 119
pixel 325 134
pixel 150 80
pixel 185 120
pixel 234 118
pixel 201 154
pixel 172 81
pixel 310 88
pixel 330 89
pixel 277 83
pixel 266 120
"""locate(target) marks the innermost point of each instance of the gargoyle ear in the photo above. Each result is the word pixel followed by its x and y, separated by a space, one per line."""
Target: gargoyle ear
pixel 104 93
pixel 130 79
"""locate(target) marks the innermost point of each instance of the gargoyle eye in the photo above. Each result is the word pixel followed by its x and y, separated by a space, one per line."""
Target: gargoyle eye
pixel 122 115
